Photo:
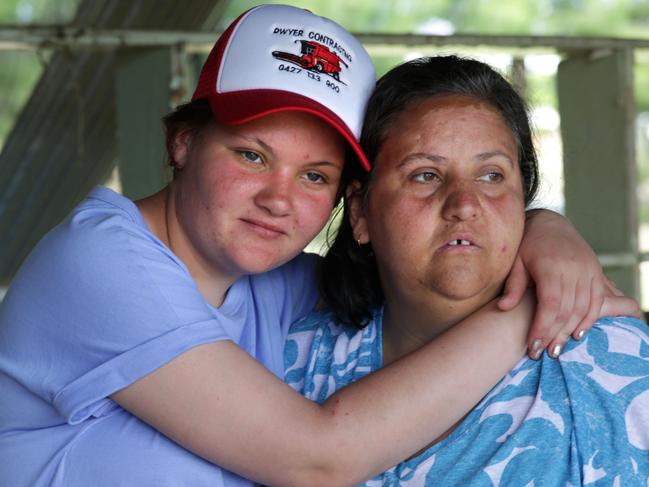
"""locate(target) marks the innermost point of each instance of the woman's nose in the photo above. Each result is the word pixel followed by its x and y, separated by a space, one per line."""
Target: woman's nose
pixel 275 195
pixel 462 204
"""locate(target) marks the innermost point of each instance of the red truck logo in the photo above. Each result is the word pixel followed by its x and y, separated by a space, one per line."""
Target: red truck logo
pixel 315 57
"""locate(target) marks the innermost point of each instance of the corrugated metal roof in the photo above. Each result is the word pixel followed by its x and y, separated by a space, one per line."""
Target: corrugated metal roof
pixel 63 142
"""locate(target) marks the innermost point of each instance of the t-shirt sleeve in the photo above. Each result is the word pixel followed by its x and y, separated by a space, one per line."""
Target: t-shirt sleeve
pixel 303 285
pixel 100 303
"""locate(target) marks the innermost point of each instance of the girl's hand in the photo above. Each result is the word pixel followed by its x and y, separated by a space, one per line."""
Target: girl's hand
pixel 571 288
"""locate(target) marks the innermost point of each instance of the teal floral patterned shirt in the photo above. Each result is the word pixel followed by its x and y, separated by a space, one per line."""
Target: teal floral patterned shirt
pixel 580 420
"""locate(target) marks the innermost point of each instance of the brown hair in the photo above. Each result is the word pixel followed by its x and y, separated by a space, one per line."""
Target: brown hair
pixel 192 117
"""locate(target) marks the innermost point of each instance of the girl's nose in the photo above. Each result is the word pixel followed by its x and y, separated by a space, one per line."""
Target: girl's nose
pixel 275 195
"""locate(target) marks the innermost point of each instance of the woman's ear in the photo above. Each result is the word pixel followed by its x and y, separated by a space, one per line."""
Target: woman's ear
pixel 357 217
pixel 180 148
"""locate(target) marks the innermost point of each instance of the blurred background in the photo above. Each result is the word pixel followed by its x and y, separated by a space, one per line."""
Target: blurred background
pixel 83 84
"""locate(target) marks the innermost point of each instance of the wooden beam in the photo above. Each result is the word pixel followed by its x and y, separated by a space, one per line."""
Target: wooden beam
pixel 597 127
pixel 142 98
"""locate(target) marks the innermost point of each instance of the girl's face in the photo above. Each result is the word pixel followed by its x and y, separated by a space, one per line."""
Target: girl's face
pixel 250 197
pixel 445 212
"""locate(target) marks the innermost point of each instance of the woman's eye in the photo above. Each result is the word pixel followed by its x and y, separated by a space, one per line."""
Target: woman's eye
pixel 251 156
pixel 492 177
pixel 425 177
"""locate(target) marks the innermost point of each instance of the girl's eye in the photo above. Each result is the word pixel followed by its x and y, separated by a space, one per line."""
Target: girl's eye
pixel 314 177
pixel 425 177
pixel 492 177
pixel 251 156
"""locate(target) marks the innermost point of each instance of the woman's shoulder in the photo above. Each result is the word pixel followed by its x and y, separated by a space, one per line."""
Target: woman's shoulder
pixel 612 339
pixel 614 356
pixel 625 325
pixel 323 354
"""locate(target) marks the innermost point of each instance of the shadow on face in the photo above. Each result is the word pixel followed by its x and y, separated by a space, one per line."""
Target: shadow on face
pixel 445 209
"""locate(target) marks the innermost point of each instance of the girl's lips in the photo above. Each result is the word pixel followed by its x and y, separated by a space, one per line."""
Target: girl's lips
pixel 264 228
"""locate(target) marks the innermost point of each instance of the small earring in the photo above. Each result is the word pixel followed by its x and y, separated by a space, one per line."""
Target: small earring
pixel 358 241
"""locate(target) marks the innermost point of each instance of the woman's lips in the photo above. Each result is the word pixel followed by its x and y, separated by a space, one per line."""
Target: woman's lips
pixel 460 243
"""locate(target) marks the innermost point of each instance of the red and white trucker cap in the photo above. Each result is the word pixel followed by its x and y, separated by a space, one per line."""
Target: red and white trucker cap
pixel 277 58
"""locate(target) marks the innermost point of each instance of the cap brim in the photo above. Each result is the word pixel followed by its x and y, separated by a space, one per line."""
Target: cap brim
pixel 244 106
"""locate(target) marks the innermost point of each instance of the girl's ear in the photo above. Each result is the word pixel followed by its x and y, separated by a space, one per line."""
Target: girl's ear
pixel 180 148
pixel 357 217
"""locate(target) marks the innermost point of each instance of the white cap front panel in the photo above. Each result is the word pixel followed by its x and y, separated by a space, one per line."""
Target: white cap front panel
pixel 286 48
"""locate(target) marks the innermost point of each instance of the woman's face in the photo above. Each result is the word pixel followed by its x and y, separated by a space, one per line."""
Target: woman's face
pixel 445 211
pixel 250 197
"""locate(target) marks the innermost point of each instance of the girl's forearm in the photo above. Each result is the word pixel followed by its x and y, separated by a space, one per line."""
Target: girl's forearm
pixel 218 402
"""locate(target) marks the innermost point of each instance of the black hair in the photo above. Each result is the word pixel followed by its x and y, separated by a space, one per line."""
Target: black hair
pixel 349 278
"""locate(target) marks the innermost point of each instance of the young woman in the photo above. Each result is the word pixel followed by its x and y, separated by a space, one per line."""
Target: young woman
pixel 141 343
pixel 439 220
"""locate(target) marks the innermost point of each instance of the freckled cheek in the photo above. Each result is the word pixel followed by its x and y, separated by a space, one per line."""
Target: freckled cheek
pixel 415 218
pixel 397 232
pixel 231 192
pixel 315 211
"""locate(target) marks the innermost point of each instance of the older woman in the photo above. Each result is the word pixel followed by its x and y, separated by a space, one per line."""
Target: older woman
pixel 428 238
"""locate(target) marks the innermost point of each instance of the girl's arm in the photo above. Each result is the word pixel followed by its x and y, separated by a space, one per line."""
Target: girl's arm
pixel 218 402
pixel 570 284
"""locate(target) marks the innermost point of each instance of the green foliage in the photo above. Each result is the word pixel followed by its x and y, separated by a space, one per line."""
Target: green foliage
pixel 18 74
pixel 19 70
pixel 641 81
pixel 541 91
pixel 37 11
pixel 473 16
pixel 361 16
pixel 618 18
pixel 622 18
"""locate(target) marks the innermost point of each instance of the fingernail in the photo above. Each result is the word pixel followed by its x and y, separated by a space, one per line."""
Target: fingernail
pixel 581 334
pixel 556 350
pixel 537 348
